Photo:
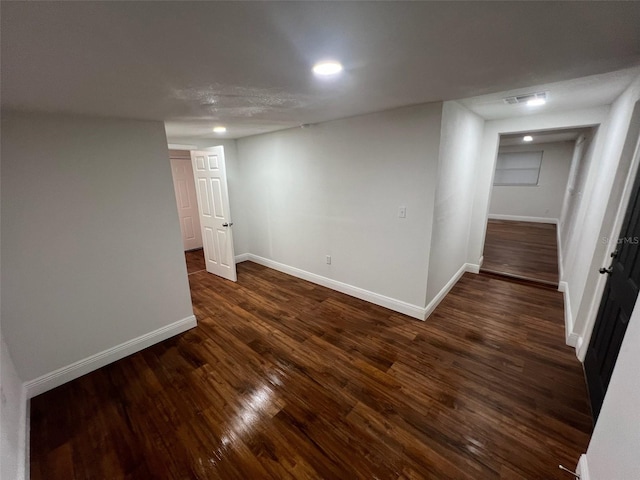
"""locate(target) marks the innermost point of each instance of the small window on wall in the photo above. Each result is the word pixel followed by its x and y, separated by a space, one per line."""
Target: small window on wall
pixel 518 168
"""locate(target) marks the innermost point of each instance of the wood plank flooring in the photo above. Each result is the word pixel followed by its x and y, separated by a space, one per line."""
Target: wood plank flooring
pixel 195 261
pixel 285 379
pixel 523 250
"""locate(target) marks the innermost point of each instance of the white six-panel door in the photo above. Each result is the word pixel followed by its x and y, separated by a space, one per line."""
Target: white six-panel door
pixel 185 189
pixel 215 219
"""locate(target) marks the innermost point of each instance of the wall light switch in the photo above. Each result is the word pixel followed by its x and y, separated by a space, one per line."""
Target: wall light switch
pixel 402 212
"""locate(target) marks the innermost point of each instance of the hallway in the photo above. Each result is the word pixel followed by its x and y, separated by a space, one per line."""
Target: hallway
pixel 286 379
pixel 522 250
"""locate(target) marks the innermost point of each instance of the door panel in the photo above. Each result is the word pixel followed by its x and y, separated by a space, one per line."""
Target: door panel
pixel 187 203
pixel 215 218
pixel 218 204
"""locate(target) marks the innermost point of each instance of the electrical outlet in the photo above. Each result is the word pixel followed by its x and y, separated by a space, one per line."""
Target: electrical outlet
pixel 328 259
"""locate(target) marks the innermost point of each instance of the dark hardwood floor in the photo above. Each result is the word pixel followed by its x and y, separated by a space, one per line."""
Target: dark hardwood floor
pixel 286 379
pixel 195 261
pixel 523 250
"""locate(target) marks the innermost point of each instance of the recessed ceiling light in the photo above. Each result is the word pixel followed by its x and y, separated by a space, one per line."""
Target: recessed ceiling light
pixel 327 68
pixel 536 102
pixel 220 129
pixel 528 138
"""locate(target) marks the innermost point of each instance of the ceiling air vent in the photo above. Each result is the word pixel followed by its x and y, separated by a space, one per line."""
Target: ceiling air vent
pixel 525 98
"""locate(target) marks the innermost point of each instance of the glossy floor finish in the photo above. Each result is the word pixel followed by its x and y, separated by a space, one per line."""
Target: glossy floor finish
pixel 524 250
pixel 286 379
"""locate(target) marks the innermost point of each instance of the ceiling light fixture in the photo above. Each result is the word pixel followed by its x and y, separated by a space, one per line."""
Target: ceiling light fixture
pixel 528 138
pixel 220 129
pixel 536 102
pixel 327 68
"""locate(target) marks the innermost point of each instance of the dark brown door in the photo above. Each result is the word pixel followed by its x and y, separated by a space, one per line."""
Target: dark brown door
pixel 616 306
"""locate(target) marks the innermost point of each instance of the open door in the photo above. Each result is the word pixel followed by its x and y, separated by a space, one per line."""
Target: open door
pixel 215 217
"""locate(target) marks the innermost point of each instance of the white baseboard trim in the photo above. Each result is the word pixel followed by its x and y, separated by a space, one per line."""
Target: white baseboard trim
pixel 559 249
pixel 387 302
pixel 472 267
pixel 521 218
pixel 581 349
pixel 443 293
pixel 571 338
pixel 77 369
pixel 243 257
pixel 583 468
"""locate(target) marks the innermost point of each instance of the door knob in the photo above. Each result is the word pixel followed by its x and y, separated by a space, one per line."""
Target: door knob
pixel 606 270
pixel 227 224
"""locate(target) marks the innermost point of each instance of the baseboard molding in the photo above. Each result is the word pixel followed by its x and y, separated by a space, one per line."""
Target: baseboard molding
pixel 472 267
pixel 467 267
pixel 581 349
pixel 243 257
pixel 357 292
pixel 520 218
pixel 571 338
pixel 583 468
pixel 559 249
pixel 65 374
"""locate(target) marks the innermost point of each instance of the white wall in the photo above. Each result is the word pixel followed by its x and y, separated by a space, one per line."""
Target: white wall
pixel 335 188
pixel 13 405
pixel 543 200
pixel 459 145
pixel 234 183
pixel 615 443
pixel 580 165
pixel 91 249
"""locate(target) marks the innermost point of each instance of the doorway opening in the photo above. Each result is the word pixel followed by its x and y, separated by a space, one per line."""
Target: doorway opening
pixel 202 198
pixel 537 177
